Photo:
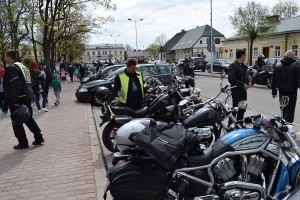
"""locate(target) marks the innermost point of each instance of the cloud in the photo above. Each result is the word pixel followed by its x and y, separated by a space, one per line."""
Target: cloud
pixel 168 16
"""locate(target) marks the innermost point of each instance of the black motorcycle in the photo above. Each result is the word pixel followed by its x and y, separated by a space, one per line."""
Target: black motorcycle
pixel 261 78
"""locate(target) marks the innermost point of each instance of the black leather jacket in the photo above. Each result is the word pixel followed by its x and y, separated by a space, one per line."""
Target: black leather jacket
pixel 238 76
pixel 286 77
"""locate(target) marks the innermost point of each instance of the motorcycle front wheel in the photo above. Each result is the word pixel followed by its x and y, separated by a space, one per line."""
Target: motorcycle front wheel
pixel 269 83
pixel 108 136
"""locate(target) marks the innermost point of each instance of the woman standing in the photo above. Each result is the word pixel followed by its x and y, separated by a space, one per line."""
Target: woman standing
pixel 3 103
pixel 38 82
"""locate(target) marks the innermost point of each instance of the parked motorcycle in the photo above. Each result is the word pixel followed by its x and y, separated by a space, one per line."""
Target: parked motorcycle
pixel 261 78
pixel 251 163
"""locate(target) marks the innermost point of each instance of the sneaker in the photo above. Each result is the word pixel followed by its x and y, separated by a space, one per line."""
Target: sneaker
pixel 55 103
pixel 40 110
pixel 21 146
pixel 38 142
pixel 45 110
pixel 5 114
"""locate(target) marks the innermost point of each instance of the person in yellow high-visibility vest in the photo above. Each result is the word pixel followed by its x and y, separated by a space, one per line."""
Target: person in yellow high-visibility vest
pixel 130 86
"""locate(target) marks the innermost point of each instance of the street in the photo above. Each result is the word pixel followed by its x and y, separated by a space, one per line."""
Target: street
pixel 259 97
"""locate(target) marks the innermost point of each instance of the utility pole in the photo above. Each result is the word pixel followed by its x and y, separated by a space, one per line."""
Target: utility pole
pixel 211 40
pixel 135 21
pixel 115 36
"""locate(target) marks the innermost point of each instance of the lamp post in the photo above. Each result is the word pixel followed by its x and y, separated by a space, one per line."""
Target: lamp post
pixel 135 21
pixel 115 36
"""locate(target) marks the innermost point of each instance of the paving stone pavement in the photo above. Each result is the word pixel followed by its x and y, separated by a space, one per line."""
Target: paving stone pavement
pixel 65 166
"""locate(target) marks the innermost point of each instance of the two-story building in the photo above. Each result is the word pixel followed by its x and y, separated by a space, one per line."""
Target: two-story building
pixel 192 43
pixel 97 52
pixel 286 36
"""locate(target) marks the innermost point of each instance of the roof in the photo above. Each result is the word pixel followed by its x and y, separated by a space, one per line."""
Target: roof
pixel 192 36
pixel 173 41
pixel 290 25
pixel 140 53
pixel 103 46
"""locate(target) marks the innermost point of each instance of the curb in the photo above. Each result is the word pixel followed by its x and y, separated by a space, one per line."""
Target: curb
pixel 99 163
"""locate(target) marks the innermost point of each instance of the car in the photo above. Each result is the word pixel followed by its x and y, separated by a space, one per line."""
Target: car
pixel 101 73
pixel 200 63
pixel 220 65
pixel 86 92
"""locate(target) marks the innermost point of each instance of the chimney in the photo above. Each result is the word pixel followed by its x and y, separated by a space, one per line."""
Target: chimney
pixel 273 18
pixel 182 30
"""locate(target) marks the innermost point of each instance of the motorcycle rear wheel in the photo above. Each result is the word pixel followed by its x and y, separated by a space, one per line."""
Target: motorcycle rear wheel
pixel 108 136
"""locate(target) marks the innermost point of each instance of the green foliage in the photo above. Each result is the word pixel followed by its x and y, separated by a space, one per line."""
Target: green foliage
pixel 26 61
pixel 153 49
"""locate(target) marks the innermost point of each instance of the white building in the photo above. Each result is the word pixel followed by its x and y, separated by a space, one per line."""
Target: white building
pixel 97 52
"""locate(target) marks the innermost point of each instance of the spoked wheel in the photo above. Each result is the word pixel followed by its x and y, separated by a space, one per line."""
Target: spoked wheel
pixel 108 136
pixel 269 83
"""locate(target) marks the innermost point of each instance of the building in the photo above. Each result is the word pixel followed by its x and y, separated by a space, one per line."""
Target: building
pixel 193 43
pixel 285 37
pixel 140 55
pixel 97 52
pixel 26 51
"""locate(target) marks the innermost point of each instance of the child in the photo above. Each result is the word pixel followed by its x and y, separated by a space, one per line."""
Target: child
pixel 63 75
pixel 76 72
pixel 55 83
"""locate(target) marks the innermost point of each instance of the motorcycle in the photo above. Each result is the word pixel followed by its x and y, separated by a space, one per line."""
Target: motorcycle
pixel 261 78
pixel 251 163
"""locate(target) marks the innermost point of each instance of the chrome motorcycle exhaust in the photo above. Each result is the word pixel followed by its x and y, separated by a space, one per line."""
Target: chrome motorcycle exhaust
pixel 244 185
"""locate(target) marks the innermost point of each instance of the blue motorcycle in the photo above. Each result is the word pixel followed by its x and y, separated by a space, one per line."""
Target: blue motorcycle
pixel 250 163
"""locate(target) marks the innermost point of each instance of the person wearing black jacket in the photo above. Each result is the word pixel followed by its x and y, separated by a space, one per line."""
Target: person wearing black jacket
pixel 286 77
pixel 130 86
pixel 239 79
pixel 17 93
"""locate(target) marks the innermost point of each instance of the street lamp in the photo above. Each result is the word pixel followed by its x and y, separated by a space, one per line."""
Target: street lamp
pixel 115 36
pixel 135 21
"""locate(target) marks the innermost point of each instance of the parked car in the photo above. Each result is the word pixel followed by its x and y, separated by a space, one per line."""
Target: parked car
pixel 101 73
pixel 220 65
pixel 200 63
pixel 86 92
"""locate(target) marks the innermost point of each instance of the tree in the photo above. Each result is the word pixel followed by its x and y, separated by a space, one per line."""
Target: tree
pixel 161 40
pixel 251 22
pixel 128 47
pixel 286 9
pixel 153 49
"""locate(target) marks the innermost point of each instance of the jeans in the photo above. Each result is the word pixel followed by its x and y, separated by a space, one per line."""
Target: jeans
pixel 37 100
pixel 289 110
pixel 31 124
pixel 3 103
pixel 57 96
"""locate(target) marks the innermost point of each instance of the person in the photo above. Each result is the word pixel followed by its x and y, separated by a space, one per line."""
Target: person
pixel 38 83
pixel 131 87
pixel 46 80
pixel 239 79
pixel 81 71
pixel 3 103
pixel 260 63
pixel 187 68
pixel 16 94
pixel 71 72
pixel 286 78
pixel 76 73
pixel 55 84
pixel 63 75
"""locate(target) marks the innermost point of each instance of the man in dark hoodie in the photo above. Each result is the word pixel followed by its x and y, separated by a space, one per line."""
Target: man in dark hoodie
pixel 286 77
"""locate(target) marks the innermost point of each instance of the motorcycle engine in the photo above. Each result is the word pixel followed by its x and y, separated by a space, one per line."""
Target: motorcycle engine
pixel 236 194
pixel 256 164
pixel 225 169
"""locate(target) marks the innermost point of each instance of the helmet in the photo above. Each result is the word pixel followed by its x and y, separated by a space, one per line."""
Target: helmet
pixel 261 56
pixel 102 93
pixel 21 115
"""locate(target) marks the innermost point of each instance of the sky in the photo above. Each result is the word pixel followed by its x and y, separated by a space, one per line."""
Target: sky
pixel 165 16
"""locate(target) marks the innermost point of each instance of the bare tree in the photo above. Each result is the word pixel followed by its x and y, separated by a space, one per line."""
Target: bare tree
pixel 251 22
pixel 286 9
pixel 153 49
pixel 128 47
pixel 160 41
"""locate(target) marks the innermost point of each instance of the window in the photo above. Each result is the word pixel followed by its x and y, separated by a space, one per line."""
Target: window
pixel 200 41
pixel 121 58
pixel 217 41
pixel 121 52
pixel 88 53
pixel 207 40
pixel 116 52
pixel 295 49
pixel 93 53
pixel 277 51
pixel 104 52
pixel 109 52
pixel 230 53
pixel 99 53
pixel 255 52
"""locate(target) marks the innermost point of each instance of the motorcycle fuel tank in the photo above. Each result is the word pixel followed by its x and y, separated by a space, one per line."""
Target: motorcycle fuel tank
pixel 203 117
pixel 245 139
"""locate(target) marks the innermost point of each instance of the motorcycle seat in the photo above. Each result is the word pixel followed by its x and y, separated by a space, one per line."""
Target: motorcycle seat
pixel 130 112
pixel 210 153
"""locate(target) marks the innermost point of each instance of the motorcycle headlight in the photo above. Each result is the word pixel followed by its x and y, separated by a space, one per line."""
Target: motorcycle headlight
pixel 83 90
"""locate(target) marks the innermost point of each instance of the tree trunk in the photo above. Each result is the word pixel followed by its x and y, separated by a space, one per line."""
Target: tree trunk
pixel 251 51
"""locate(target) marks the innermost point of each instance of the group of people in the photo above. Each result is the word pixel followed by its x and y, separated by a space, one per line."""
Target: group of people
pixel 286 80
pixel 75 71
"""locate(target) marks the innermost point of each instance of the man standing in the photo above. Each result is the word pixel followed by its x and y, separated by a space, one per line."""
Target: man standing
pixel 130 86
pixel 71 72
pixel 17 93
pixel 238 77
pixel 286 77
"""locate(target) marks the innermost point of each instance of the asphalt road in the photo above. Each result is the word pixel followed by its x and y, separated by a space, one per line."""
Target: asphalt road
pixel 259 97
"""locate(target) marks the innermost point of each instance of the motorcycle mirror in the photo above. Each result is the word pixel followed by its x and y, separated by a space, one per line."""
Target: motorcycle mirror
pixel 284 101
pixel 243 105
pixel 183 102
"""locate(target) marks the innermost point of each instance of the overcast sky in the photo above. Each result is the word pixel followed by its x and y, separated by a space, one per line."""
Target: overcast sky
pixel 166 16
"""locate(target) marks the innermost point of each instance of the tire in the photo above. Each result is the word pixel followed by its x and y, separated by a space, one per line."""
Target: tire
pixel 96 102
pixel 203 70
pixel 107 137
pixel 269 83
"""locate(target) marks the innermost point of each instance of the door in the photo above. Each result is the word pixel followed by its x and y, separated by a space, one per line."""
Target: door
pixel 266 51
